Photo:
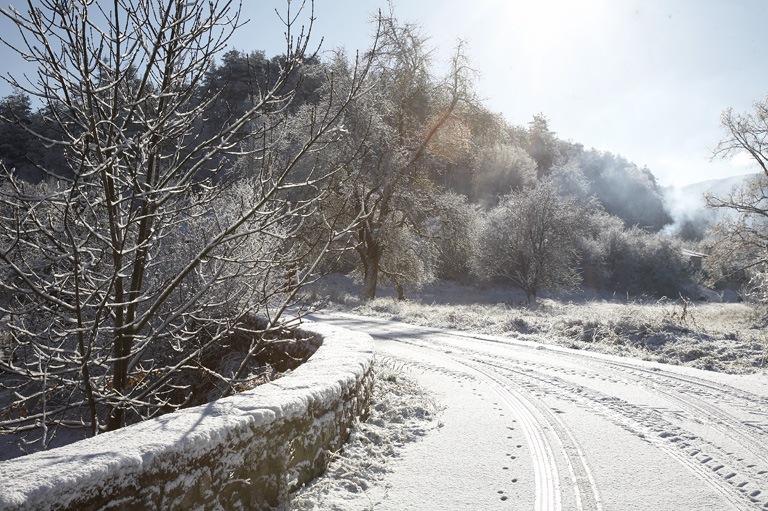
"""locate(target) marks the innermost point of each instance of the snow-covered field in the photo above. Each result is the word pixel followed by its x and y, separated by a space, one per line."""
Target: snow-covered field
pixel 718 336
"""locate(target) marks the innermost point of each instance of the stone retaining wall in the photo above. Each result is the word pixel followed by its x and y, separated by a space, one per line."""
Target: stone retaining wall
pixel 247 451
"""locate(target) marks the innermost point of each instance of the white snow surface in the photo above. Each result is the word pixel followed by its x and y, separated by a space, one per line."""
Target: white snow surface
pixel 55 476
pixel 401 413
pixel 524 425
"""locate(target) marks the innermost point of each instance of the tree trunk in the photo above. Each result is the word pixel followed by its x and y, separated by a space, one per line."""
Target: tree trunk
pixel 116 415
pixel 369 282
pixel 371 276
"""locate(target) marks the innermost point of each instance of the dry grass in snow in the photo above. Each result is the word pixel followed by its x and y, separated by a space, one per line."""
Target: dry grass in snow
pixel 725 337
pixel 400 412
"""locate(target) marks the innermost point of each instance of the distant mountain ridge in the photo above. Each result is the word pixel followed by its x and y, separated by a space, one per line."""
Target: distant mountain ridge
pixel 716 186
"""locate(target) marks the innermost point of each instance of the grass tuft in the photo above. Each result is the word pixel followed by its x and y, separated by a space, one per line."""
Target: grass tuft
pixel 724 337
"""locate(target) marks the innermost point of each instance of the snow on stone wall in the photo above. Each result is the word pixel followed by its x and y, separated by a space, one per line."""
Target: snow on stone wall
pixel 246 451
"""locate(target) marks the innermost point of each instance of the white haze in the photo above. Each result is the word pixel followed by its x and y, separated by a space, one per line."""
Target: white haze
pixel 687 206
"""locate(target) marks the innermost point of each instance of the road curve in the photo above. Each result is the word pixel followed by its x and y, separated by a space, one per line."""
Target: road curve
pixel 532 426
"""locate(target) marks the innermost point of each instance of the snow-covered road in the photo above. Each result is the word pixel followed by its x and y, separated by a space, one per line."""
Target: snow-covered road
pixel 538 427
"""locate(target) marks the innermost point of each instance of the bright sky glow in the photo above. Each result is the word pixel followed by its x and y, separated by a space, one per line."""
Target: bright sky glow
pixel 647 79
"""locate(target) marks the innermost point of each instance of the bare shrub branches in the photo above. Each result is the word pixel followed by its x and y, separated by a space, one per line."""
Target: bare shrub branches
pixel 741 250
pixel 163 238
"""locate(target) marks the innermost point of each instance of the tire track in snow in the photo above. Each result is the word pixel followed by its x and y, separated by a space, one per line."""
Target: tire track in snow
pixel 699 399
pixel 694 455
pixel 546 494
pixel 736 479
pixel 547 484
pixel 648 424
pixel 586 495
pixel 548 488
pixel 702 386
pixel 547 480
pixel 696 396
pixel 701 405
pixel 596 503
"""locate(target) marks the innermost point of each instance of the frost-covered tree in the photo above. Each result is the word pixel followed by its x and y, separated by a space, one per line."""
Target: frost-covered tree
pixel 499 170
pixel 631 260
pixel 452 222
pixel 746 133
pixel 530 239
pixel 740 240
pixel 129 273
pixel 742 237
pixel 413 263
pixel 542 145
pixel 399 120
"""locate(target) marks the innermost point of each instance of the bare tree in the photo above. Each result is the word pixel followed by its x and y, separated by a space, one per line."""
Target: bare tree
pixel 742 237
pixel 400 120
pixel 128 274
pixel 747 132
pixel 740 247
pixel 530 239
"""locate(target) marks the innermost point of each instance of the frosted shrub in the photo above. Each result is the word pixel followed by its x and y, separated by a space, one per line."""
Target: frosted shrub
pixel 632 260
pixel 530 240
pixel 755 290
pixel 640 262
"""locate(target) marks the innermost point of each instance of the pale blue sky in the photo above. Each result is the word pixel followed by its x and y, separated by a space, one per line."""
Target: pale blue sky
pixel 643 78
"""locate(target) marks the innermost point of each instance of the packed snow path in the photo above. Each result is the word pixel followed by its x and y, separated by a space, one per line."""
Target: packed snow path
pixel 530 426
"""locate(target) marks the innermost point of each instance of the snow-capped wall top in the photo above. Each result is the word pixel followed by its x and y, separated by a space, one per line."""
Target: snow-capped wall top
pixel 179 444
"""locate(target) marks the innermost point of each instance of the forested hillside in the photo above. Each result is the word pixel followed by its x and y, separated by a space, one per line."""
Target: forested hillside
pixel 475 153
pixel 425 165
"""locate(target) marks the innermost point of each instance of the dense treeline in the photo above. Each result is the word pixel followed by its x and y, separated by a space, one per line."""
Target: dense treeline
pixel 476 154
pixel 435 171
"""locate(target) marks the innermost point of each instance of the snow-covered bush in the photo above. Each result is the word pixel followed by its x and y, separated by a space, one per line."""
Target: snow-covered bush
pixel 632 260
pixel 530 240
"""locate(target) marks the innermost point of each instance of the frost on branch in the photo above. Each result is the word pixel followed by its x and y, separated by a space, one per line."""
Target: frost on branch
pixel 164 236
